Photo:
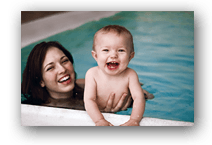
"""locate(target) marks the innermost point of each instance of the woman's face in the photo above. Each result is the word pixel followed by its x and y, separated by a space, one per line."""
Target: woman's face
pixel 57 73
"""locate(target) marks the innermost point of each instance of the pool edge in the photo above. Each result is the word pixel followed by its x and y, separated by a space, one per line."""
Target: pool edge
pixel 32 115
pixel 45 27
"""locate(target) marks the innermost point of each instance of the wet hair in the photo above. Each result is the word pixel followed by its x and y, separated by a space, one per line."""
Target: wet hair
pixel 32 74
pixel 120 30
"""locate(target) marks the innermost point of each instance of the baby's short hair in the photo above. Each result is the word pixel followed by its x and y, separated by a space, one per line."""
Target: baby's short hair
pixel 117 29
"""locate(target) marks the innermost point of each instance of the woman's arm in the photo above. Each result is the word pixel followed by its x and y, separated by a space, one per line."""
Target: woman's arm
pixel 121 105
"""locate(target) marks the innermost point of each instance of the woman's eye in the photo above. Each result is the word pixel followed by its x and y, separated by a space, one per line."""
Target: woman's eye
pixel 66 60
pixel 49 68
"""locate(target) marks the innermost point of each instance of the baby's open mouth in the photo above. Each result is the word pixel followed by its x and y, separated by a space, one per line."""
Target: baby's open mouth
pixel 112 65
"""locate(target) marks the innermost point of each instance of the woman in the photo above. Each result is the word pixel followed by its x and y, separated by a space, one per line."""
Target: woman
pixel 49 79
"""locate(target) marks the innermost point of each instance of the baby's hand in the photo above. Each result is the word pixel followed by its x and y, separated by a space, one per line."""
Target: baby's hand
pixel 103 122
pixel 131 122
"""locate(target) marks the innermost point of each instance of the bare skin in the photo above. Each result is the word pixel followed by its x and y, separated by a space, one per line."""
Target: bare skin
pixel 112 53
pixel 147 95
pixel 120 106
pixel 123 103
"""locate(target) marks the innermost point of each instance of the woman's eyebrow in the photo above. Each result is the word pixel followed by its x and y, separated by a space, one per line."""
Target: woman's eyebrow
pixel 53 62
pixel 62 57
pixel 48 64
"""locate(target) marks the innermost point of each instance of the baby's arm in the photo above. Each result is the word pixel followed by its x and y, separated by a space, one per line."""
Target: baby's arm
pixel 139 100
pixel 90 100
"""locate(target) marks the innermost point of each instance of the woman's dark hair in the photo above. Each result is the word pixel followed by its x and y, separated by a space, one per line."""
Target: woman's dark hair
pixel 32 74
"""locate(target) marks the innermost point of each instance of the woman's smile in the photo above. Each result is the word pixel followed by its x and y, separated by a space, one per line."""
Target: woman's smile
pixel 65 80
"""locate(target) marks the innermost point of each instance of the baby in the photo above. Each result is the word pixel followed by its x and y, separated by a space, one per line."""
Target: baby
pixel 112 49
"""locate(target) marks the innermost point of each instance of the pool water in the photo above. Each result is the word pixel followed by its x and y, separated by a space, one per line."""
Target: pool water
pixel 164 58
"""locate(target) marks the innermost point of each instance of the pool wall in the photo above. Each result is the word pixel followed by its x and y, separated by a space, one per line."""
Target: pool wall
pixel 32 115
pixel 48 26
pixel 47 116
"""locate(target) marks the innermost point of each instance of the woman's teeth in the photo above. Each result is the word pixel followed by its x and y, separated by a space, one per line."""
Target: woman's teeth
pixel 64 79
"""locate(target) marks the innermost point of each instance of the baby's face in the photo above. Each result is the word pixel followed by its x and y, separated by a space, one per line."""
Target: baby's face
pixel 112 52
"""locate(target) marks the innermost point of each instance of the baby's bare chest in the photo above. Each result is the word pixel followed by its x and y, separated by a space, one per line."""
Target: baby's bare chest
pixel 105 88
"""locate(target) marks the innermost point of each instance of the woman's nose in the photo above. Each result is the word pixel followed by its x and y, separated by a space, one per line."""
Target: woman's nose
pixel 61 68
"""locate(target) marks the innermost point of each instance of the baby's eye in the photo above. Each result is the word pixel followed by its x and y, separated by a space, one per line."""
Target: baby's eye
pixel 106 50
pixel 121 50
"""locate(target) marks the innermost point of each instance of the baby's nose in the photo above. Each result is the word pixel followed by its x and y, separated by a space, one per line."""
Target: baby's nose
pixel 113 54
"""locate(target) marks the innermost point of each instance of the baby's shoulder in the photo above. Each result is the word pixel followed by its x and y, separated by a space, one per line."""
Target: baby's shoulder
pixel 130 71
pixel 92 71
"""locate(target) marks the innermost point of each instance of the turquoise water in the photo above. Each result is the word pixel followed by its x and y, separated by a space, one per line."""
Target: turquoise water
pixel 164 57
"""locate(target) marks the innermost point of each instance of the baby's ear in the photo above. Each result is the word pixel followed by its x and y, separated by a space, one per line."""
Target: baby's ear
pixel 132 55
pixel 94 54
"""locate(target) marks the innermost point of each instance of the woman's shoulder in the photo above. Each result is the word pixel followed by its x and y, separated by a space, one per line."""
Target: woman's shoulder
pixel 32 101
